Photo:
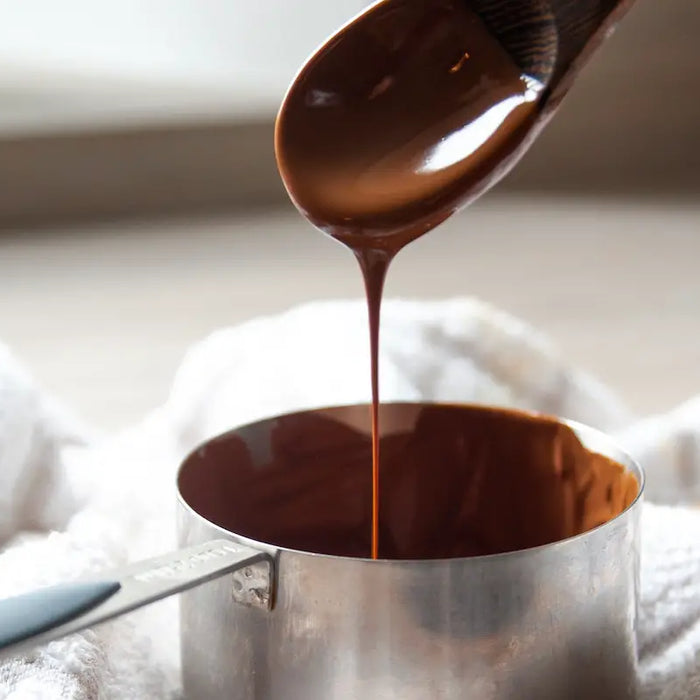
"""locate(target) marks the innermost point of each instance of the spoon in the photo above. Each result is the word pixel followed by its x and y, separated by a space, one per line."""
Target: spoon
pixel 416 107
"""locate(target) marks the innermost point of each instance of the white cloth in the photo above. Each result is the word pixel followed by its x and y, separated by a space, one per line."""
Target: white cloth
pixel 111 500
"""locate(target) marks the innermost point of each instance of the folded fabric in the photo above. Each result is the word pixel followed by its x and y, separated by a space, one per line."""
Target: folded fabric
pixel 33 429
pixel 111 500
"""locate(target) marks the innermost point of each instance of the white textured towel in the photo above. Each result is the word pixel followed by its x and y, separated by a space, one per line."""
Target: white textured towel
pixel 112 500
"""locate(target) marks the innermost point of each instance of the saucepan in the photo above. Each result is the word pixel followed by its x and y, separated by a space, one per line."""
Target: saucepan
pixel 281 602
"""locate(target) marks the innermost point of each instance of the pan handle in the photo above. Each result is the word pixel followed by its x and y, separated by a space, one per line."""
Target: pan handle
pixel 50 613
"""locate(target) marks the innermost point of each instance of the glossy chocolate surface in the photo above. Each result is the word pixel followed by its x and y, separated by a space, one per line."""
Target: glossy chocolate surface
pixel 457 481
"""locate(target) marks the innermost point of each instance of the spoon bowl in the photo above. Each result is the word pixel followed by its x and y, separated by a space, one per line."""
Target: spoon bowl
pixel 416 107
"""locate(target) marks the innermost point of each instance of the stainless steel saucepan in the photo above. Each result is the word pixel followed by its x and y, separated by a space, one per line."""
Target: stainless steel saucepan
pixel 261 621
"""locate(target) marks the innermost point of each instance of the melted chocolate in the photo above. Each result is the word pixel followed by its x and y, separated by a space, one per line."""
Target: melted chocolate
pixel 409 113
pixel 457 481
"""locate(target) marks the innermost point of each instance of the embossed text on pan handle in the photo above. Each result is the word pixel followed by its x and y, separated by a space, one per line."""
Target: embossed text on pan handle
pixel 50 613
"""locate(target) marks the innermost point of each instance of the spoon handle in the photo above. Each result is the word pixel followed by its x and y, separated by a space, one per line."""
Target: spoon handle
pixel 578 21
pixel 50 613
pixel 547 37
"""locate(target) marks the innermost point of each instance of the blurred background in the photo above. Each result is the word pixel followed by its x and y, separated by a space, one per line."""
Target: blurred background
pixel 140 205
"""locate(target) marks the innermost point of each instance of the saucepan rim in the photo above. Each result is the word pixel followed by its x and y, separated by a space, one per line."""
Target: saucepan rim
pixel 604 445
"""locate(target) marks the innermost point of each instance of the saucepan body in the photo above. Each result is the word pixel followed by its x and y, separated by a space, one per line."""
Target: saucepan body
pixel 553 621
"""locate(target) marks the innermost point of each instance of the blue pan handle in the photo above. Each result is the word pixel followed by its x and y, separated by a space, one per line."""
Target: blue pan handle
pixel 50 613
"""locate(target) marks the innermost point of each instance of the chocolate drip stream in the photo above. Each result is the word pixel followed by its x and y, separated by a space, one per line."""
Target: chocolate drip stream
pixel 374 265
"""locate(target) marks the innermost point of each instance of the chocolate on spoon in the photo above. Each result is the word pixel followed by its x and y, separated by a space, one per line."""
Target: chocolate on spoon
pixel 416 107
